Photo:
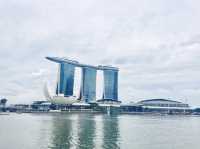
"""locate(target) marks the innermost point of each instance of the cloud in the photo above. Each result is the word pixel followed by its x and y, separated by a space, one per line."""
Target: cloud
pixel 155 45
pixel 40 72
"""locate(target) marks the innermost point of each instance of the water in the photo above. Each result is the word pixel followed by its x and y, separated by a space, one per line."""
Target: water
pixel 87 131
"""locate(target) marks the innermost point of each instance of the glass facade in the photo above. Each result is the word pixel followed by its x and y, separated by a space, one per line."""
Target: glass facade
pixel 66 79
pixel 110 85
pixel 65 84
pixel 88 84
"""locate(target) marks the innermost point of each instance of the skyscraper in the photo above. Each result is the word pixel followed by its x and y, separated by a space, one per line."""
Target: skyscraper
pixel 110 84
pixel 65 83
pixel 88 84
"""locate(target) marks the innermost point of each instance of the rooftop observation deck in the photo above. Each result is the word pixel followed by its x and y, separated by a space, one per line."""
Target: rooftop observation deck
pixel 77 64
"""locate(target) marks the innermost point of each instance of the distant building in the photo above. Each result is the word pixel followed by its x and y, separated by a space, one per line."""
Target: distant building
pixel 130 107
pixel 65 82
pixel 110 85
pixel 88 84
pixel 163 105
pixel 41 106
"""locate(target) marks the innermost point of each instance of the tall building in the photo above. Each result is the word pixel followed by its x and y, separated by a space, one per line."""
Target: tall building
pixel 66 74
pixel 110 91
pixel 65 83
pixel 88 84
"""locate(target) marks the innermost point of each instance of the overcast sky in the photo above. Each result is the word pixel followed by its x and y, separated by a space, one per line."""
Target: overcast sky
pixel 156 45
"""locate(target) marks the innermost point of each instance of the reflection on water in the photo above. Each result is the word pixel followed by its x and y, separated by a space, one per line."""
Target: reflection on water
pixel 111 132
pixel 82 132
pixel 61 132
pixel 88 131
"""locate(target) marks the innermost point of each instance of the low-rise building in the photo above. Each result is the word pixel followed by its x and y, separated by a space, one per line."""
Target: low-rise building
pixel 164 105
pixel 40 106
pixel 131 108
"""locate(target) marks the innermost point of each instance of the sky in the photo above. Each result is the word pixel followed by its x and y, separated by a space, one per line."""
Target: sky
pixel 155 44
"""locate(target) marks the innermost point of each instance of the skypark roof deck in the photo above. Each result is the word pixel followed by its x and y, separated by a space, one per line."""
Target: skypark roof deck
pixel 76 63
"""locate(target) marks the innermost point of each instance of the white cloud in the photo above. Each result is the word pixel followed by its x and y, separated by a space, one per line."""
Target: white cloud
pixel 155 43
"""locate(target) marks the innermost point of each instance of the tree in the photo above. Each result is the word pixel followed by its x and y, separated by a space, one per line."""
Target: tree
pixel 3 101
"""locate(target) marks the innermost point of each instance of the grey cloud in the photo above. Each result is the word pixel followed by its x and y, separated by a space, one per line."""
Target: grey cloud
pixel 155 45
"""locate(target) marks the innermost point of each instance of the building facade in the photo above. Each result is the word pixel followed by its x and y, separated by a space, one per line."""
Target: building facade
pixel 110 91
pixel 164 105
pixel 65 83
pixel 88 84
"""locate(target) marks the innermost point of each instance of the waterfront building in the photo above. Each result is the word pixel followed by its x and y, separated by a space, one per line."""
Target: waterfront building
pixel 40 106
pixel 20 108
pixel 88 84
pixel 110 91
pixel 131 108
pixel 65 83
pixel 164 105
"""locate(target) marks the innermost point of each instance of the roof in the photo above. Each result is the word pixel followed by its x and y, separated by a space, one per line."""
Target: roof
pixel 163 100
pixel 76 63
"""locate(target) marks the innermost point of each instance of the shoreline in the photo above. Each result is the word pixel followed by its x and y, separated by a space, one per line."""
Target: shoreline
pixel 100 112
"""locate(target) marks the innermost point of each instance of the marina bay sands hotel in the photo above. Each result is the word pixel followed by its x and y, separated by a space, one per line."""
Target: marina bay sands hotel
pixel 65 83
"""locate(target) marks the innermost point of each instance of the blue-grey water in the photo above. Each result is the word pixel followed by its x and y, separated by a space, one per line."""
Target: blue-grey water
pixel 87 131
